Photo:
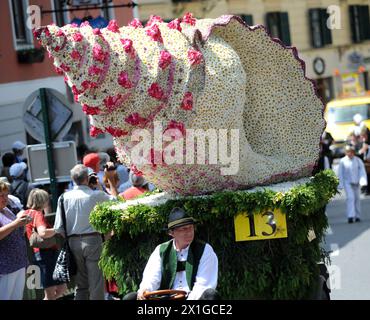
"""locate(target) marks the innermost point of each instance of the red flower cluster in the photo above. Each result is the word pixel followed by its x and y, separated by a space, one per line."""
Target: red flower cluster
pixel 116 132
pixel 127 45
pixel 97 32
pixel 90 110
pixel 152 20
pixel 59 71
pixel 155 91
pixel 179 128
pixel 154 33
pixel 75 55
pixel 164 59
pixel 85 24
pixel 135 170
pixel 60 33
pixel 136 23
pixel 187 102
pixel 175 24
pixel 113 26
pixel 112 102
pixel 195 57
pixel 88 85
pixel 124 81
pixel 93 70
pixel 94 131
pixel 189 19
pixel 64 67
pixel 98 53
pixel 135 119
pixel 77 37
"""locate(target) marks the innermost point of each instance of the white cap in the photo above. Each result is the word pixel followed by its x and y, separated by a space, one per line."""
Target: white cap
pixel 17 169
pixel 18 145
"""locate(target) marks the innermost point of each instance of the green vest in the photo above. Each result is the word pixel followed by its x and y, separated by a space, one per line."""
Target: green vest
pixel 169 263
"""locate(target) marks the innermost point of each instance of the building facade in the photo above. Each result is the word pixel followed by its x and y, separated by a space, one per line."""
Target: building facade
pixel 24 69
pixel 338 58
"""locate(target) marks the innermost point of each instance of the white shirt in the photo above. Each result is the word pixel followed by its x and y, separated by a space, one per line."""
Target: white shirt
pixel 351 171
pixel 206 276
pixel 78 204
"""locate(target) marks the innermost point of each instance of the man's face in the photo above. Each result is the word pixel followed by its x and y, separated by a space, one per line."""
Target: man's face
pixel 183 235
pixel 350 154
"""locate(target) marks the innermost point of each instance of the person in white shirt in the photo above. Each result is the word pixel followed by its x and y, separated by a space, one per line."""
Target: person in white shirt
pixel 352 175
pixel 181 263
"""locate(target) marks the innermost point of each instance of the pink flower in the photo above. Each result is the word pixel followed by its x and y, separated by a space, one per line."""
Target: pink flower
pixel 195 57
pixel 76 97
pixel 75 55
pixel 56 48
pixel 85 24
pixel 154 33
pixel 155 91
pixel 175 24
pixel 179 128
pixel 127 45
pixel 135 119
pixel 124 81
pixel 98 52
pixel 97 32
pixel 112 102
pixel 77 37
pixel 113 26
pixel 75 91
pixel 152 20
pixel 164 59
pixel 94 131
pixel 59 33
pixel 65 79
pixel 90 110
pixel 93 70
pixel 135 170
pixel 187 102
pixel 59 71
pixel 74 24
pixel 189 19
pixel 64 67
pixel 116 132
pixel 136 23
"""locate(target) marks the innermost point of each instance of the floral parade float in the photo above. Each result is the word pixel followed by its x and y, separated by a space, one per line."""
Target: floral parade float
pixel 249 94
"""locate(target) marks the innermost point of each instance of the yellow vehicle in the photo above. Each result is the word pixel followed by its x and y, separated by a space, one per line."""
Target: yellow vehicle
pixel 339 115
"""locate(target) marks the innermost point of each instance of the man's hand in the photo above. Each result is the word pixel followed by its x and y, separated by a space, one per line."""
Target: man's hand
pixel 140 294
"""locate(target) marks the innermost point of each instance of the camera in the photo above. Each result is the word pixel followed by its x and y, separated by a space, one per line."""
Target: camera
pixel 93 179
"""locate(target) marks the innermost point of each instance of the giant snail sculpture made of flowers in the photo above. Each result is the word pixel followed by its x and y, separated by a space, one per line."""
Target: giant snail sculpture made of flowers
pixel 210 74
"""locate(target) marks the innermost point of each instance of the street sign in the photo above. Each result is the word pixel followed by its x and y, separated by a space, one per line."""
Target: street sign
pixel 65 158
pixel 60 115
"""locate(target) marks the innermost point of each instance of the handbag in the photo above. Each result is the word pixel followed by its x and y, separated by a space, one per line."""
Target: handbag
pixel 65 266
pixel 36 241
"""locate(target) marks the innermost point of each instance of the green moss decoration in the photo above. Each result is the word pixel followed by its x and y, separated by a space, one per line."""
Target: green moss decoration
pixel 268 269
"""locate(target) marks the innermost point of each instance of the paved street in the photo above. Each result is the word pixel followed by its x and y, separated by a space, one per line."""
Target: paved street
pixel 349 243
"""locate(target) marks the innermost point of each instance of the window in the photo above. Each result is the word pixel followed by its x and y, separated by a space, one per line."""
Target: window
pixel 346 113
pixel 360 25
pixel 22 35
pixel 247 18
pixel 320 33
pixel 278 26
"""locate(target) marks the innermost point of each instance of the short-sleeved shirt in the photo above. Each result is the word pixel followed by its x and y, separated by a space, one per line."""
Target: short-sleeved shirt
pixel 38 221
pixel 132 193
pixel 13 250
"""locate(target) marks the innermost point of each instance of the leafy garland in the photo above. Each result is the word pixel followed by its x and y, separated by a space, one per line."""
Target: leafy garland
pixel 269 269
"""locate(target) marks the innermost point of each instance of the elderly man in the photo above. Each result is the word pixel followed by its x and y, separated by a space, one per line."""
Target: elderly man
pixel 85 242
pixel 352 175
pixel 181 263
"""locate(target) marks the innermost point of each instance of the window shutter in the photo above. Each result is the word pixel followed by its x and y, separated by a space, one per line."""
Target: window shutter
pixel 315 27
pixel 247 18
pixel 354 17
pixel 325 31
pixel 365 22
pixel 284 28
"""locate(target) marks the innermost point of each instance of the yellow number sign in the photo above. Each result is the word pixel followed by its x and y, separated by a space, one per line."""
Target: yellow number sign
pixel 269 224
